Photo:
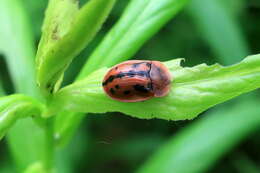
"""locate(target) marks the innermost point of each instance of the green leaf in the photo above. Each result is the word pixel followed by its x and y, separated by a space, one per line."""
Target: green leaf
pixel 182 149
pixel 140 21
pixel 205 141
pixel 219 29
pixel 18 47
pixel 66 32
pixel 1 89
pixel 244 164
pixel 65 125
pixel 36 168
pixel 57 22
pixel 14 107
pixel 194 90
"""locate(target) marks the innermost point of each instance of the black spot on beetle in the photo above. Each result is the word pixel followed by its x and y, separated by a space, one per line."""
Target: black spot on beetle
pixel 130 73
pixel 148 64
pixel 120 75
pixel 127 92
pixel 150 85
pixel 117 86
pixel 140 88
pixel 111 78
pixel 143 73
pixel 112 91
pixel 116 68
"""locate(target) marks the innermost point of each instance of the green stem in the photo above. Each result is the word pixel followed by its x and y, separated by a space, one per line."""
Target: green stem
pixel 2 93
pixel 27 141
pixel 49 149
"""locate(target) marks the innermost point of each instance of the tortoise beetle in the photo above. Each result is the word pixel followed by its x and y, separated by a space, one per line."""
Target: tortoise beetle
pixel 137 80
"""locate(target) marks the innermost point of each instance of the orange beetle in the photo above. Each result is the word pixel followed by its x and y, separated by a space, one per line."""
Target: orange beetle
pixel 137 80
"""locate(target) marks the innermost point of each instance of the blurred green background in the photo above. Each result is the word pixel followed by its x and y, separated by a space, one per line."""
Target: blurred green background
pixel 223 31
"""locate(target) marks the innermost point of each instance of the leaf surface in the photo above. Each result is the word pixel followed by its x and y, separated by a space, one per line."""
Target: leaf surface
pixel 194 90
pixel 139 22
pixel 206 140
pixel 67 30
pixel 14 107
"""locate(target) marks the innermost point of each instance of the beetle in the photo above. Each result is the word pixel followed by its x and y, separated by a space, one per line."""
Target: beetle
pixel 137 80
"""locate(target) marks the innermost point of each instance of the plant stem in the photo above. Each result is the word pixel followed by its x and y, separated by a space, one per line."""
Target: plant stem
pixel 27 141
pixel 49 145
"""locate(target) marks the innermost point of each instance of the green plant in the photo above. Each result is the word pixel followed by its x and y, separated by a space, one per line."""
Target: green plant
pixel 47 115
